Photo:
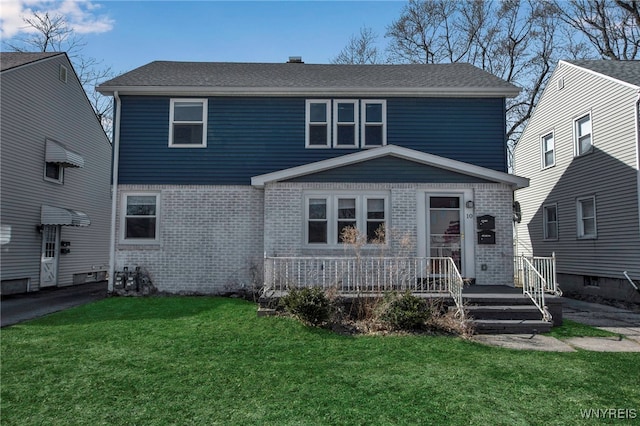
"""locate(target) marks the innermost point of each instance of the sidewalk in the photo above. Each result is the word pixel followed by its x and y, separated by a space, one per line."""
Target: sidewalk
pixel 22 307
pixel 620 321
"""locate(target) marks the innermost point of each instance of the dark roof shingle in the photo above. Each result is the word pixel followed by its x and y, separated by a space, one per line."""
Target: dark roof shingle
pixel 10 60
pixel 627 71
pixel 212 75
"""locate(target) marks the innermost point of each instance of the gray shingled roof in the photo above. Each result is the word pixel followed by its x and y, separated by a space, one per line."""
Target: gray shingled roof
pixel 627 71
pixel 10 60
pixel 299 77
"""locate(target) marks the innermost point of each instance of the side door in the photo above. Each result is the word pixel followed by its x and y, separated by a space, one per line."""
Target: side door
pixel 50 253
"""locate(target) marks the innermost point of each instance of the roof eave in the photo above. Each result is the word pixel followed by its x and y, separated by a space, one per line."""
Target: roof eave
pixel 306 91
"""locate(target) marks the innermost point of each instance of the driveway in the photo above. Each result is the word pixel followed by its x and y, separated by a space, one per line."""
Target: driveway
pixel 22 307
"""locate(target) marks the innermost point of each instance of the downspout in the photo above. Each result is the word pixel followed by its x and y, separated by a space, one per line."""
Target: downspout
pixel 114 192
pixel 637 114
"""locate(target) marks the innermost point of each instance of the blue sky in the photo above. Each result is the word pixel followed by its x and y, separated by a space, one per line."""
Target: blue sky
pixel 128 34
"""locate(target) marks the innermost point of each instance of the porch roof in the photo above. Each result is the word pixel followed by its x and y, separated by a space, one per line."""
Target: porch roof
pixel 395 151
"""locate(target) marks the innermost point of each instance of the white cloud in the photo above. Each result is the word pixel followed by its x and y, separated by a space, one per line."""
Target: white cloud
pixel 81 15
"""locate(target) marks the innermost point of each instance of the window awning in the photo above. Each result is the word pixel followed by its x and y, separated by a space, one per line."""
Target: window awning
pixel 58 216
pixel 56 153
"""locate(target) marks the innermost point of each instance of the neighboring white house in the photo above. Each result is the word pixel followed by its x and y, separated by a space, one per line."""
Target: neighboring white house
pixel 580 151
pixel 56 162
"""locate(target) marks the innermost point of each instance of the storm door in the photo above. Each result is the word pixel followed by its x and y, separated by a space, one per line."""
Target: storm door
pixel 443 227
pixel 50 250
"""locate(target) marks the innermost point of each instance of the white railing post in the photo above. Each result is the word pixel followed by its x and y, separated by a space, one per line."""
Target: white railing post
pixel 534 287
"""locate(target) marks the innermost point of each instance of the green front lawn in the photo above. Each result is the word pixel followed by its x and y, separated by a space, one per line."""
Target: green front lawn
pixel 202 361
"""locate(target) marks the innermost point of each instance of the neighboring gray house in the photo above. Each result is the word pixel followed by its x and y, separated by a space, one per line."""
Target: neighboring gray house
pixel 580 151
pixel 56 162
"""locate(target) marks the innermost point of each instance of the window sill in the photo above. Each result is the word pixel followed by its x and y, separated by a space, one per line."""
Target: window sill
pixel 57 182
pixel 587 237
pixel 141 243
pixel 584 154
pixel 187 146
pixel 347 249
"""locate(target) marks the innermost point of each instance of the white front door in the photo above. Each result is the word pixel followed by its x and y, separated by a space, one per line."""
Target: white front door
pixel 49 261
pixel 444 227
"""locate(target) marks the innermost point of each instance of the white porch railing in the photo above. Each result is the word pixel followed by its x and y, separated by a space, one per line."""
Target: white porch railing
pixel 372 275
pixel 545 266
pixel 534 285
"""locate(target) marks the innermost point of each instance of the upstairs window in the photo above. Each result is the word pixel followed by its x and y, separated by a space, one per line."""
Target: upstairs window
pixel 345 128
pixel 548 151
pixel 56 158
pixel 53 172
pixel 188 122
pixel 345 123
pixel 318 116
pixel 582 133
pixel 374 124
pixel 586 214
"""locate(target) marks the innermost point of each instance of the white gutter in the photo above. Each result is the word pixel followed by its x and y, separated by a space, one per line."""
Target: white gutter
pixel 451 92
pixel 114 192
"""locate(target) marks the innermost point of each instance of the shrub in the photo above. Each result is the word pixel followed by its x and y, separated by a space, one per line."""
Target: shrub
pixel 309 304
pixel 405 312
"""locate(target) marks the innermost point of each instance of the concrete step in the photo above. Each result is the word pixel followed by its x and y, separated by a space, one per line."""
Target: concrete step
pixel 511 326
pixel 506 312
pixel 488 299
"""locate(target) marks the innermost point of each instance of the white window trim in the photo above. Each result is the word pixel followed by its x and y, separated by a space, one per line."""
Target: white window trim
pixel 307 135
pixel 363 123
pixel 59 181
pixel 205 109
pixel 123 216
pixel 544 151
pixel 576 141
pixel 332 216
pixel 579 219
pixel 356 129
pixel 545 222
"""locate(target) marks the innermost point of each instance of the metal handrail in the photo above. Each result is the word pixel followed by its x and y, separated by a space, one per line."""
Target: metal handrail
pixel 534 286
pixel 546 266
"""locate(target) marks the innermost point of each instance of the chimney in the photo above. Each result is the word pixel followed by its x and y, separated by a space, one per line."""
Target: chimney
pixel 295 60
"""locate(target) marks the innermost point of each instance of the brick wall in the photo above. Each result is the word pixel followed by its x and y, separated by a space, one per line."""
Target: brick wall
pixel 284 227
pixel 210 241
pixel 495 200
pixel 212 238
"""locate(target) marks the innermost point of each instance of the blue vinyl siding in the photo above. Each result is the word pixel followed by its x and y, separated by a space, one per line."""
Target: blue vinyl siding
pixel 252 136
pixel 391 170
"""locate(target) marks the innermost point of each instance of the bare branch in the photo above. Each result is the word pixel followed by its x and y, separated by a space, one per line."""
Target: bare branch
pixel 360 49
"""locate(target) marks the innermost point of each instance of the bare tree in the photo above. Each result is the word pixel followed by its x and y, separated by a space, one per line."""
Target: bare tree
pixel 53 34
pixel 612 27
pixel 512 39
pixel 360 49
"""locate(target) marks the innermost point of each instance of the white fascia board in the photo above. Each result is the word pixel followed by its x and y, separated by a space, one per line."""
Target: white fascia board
pixel 605 76
pixel 396 151
pixel 473 92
